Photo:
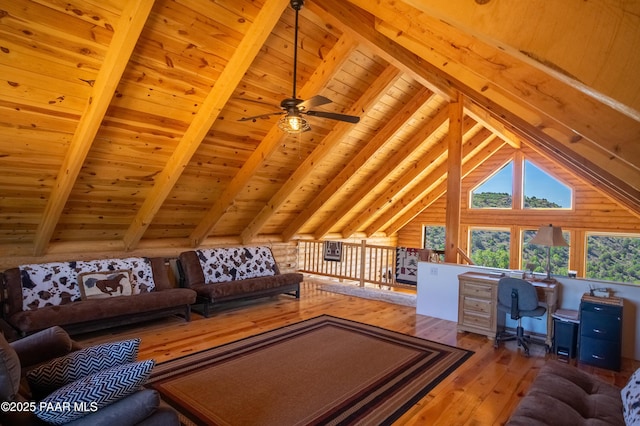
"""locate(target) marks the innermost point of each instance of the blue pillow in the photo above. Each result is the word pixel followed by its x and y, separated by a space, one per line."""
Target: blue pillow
pixel 93 392
pixel 66 369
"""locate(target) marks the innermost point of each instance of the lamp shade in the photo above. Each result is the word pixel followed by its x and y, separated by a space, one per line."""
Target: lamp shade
pixel 550 236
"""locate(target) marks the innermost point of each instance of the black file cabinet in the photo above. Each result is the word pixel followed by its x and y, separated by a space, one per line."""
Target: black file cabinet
pixel 600 341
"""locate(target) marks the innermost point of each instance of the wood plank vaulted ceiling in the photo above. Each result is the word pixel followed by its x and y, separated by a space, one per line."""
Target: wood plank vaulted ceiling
pixel 119 119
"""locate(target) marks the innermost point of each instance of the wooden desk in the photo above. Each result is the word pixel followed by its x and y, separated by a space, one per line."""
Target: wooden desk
pixel 478 303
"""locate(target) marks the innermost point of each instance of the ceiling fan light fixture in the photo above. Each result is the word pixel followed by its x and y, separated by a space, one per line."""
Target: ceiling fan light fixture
pixel 295 107
pixel 293 124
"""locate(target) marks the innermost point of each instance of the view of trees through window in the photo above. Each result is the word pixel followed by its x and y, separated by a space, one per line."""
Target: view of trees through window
pixel 613 258
pixel 433 237
pixel 490 247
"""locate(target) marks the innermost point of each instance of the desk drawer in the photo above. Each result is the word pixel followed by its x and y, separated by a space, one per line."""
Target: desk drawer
pixel 477 305
pixel 477 319
pixel 481 291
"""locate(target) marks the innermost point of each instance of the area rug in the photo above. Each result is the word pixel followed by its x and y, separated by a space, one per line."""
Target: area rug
pixel 398 298
pixel 324 370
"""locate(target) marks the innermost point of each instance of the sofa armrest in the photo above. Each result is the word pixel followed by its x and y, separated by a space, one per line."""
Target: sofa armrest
pixel 12 292
pixel 43 346
pixel 160 274
pixel 190 267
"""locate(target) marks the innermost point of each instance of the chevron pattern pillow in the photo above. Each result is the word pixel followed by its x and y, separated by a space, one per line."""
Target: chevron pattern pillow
pixel 58 372
pixel 93 392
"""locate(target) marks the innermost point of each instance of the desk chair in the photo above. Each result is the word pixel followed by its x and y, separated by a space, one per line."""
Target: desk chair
pixel 519 298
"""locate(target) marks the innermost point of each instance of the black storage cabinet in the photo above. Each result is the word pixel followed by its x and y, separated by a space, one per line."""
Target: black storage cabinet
pixel 600 342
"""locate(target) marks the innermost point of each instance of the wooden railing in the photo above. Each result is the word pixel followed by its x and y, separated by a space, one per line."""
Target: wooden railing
pixel 358 262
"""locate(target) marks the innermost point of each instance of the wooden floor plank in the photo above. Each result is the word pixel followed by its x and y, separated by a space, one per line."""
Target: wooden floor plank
pixel 484 390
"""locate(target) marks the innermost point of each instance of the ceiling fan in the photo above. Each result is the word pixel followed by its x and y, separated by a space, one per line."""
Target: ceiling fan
pixel 294 108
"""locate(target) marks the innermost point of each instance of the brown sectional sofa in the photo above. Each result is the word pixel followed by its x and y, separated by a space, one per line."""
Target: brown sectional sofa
pixel 43 295
pixel 562 394
pixel 224 274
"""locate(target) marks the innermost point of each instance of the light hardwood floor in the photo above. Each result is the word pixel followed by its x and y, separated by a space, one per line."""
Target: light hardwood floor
pixel 483 391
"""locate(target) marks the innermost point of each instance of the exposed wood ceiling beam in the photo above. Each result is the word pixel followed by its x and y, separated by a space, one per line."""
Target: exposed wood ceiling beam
pixel 503 77
pixel 321 76
pixel 536 124
pixel 124 40
pixel 594 168
pixel 215 101
pixel 387 79
pixel 435 186
pixel 624 190
pixel 394 162
pixel 624 172
pixel 360 26
pixel 380 138
pixel 588 179
pixel 431 163
pixel 485 118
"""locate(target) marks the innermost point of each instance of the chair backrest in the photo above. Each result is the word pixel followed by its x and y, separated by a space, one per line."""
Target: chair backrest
pixel 518 295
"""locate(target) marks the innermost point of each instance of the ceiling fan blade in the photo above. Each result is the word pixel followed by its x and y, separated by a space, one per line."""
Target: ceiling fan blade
pixel 313 102
pixel 262 116
pixel 334 116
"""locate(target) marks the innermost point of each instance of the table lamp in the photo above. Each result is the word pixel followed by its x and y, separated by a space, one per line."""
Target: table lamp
pixel 550 236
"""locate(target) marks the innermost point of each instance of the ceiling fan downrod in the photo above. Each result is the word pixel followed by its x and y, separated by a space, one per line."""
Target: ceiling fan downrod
pixel 295 5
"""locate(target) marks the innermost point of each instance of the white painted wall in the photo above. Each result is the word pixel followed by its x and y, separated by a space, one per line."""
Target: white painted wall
pixel 438 297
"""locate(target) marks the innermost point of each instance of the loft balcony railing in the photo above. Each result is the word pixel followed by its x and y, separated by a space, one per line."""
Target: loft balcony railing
pixel 362 263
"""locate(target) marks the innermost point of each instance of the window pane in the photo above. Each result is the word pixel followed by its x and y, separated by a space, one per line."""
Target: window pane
pixel 536 255
pixel 496 192
pixel 542 191
pixel 490 247
pixel 434 237
pixel 613 258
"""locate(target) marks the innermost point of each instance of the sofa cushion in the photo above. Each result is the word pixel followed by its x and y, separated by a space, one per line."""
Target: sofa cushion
pixel 47 284
pixel 101 309
pixel 93 392
pixel 247 287
pixel 103 284
pixel 66 369
pixel 569 396
pixel 9 371
pixel 56 283
pixel 631 399
pixel 236 263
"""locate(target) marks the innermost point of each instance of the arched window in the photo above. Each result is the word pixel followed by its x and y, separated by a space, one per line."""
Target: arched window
pixel 540 190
